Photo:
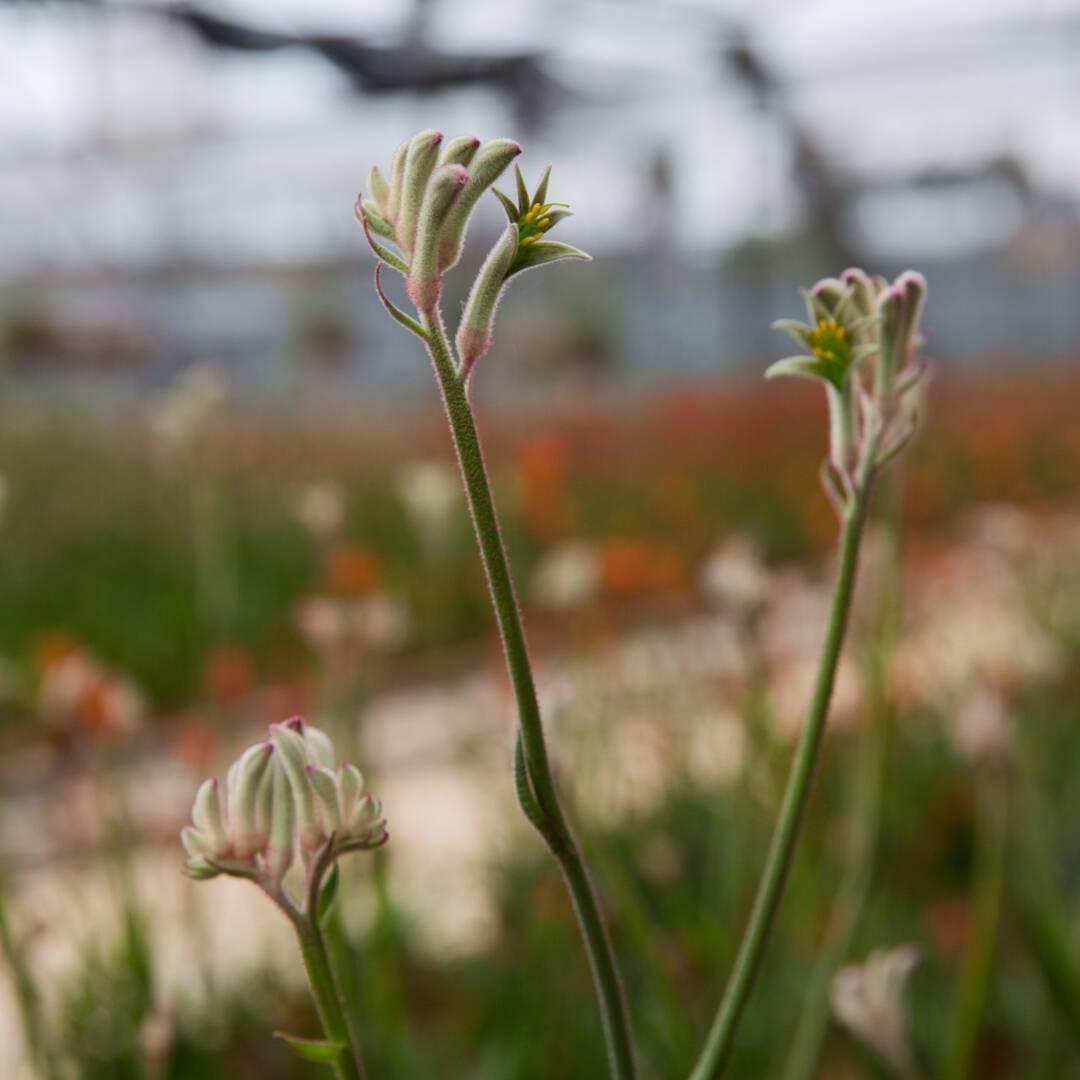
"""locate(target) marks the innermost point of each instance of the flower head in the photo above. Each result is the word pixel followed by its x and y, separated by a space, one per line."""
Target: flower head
pixel 860 341
pixel 283 802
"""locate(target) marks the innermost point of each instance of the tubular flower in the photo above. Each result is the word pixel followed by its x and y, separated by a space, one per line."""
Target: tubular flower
pixel 861 341
pixel 423 210
pixel 283 802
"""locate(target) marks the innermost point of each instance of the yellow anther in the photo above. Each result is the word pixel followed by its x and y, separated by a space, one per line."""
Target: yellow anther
pixel 529 240
pixel 543 223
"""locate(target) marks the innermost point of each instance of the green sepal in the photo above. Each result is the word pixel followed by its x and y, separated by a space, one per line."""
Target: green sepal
pixel 807 367
pixel 522 191
pixel 530 256
pixel 799 331
pixel 507 205
pixel 319 1051
pixel 540 195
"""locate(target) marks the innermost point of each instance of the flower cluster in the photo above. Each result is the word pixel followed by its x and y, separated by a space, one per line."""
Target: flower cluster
pixel 283 802
pixel 424 209
pixel 861 342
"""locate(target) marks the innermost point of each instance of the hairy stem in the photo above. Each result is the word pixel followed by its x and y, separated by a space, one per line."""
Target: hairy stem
pixel 349 1066
pixel 721 1037
pixel 868 789
pixel 536 786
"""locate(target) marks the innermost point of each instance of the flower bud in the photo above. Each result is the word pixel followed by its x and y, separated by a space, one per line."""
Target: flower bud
pixel 208 814
pixel 251 777
pixel 350 785
pixel 424 283
pixel 320 748
pixel 460 151
pixel 420 161
pixel 324 783
pixel 485 168
pixel 397 179
pixel 478 319
pixel 282 842
pixel 293 755
pixel 378 189
pixel 199 866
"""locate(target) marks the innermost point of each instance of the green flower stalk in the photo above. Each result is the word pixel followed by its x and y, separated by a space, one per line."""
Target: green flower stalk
pixel 860 343
pixel 522 246
pixel 284 806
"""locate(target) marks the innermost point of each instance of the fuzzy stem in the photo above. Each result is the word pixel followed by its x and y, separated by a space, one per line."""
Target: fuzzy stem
pixel 538 791
pixel 349 1066
pixel 865 814
pixel 721 1037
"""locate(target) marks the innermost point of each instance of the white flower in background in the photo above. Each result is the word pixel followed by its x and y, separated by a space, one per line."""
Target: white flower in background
pixel 431 492
pixel 322 622
pixel 320 508
pixel 568 576
pixel 380 621
pixel 735 576
pixel 792 686
pixel 182 414
pixel 868 999
pixel 716 748
pixel 980 729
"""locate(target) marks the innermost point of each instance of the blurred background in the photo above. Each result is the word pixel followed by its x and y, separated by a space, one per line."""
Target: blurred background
pixel 227 496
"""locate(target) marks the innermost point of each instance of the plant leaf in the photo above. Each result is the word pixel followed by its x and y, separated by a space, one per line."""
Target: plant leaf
pixel 320 1051
pixel 808 367
pixel 545 251
pixel 507 205
pixel 328 894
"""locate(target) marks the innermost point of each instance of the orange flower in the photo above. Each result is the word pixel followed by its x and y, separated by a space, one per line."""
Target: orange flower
pixel 351 569
pixel 229 674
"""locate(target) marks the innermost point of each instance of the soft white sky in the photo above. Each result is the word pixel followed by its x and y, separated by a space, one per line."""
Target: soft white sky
pixel 120 138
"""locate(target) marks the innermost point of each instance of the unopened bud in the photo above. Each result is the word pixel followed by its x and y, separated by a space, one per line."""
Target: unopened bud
pixel 378 189
pixel 420 162
pixel 460 151
pixel 397 183
pixel 208 814
pixel 324 783
pixel 424 283
pixel 247 835
pixel 486 167
pixel 293 755
pixel 478 319
pixel 320 748
pixel 280 849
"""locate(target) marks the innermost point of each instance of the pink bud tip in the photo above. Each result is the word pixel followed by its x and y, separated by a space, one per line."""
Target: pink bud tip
pixel 296 723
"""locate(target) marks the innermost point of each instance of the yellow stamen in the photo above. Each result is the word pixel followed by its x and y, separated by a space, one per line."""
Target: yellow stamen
pixel 543 223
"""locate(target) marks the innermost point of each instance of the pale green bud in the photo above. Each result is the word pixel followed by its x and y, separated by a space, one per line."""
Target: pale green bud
pixel 208 814
pixel 320 748
pixel 486 167
pixel 324 783
pixel 350 787
pixel 424 283
pixel 397 183
pixel 460 151
pixel 378 189
pixel 281 847
pixel 293 755
pixel 477 324
pixel 420 162
pixel 251 777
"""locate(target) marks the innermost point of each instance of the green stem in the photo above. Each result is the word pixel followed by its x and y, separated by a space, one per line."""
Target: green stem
pixel 721 1037
pixel 536 786
pixel 865 813
pixel 973 986
pixel 324 989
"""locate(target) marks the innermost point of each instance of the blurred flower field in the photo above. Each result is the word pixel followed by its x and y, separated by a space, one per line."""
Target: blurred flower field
pixel 173 581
